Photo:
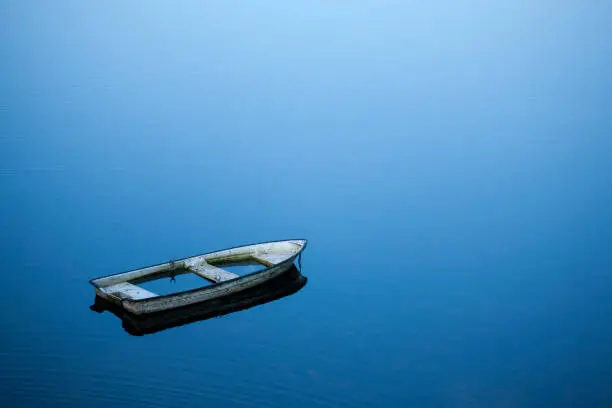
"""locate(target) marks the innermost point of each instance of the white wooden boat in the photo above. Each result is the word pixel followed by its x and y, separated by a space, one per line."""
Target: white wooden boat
pixel 122 289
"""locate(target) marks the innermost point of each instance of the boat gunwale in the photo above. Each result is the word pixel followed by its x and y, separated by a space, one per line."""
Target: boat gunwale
pixel 204 288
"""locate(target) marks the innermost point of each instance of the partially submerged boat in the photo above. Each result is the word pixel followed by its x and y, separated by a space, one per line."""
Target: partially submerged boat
pixel 122 289
pixel 274 289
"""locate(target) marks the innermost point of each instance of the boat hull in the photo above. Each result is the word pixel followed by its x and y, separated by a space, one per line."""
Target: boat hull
pixel 221 289
pixel 284 285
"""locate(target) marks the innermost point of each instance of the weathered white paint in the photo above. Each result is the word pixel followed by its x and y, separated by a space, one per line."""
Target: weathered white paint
pixel 271 259
pixel 212 273
pixel 127 290
pixel 278 256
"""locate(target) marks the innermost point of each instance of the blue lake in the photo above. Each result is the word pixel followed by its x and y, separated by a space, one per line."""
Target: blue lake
pixel 450 166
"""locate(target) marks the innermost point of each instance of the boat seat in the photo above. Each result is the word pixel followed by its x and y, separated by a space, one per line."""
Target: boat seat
pixel 212 273
pixel 128 290
pixel 272 259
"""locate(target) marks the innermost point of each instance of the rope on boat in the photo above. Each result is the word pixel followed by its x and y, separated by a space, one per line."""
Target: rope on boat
pixel 300 261
pixel 172 273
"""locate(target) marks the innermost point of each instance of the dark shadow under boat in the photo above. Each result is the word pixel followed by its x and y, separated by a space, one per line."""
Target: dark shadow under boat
pixel 284 285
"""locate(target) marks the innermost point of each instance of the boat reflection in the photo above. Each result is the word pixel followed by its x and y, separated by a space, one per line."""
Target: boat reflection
pixel 137 325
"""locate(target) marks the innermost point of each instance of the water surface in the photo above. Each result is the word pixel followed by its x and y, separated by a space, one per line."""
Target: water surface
pixel 448 163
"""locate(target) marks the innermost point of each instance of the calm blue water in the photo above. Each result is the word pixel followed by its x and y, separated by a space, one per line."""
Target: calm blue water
pixel 449 162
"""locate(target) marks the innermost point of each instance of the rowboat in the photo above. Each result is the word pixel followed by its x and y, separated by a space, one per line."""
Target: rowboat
pixel 274 289
pixel 123 290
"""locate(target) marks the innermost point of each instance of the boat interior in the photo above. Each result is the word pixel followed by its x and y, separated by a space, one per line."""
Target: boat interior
pixel 196 272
